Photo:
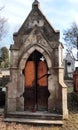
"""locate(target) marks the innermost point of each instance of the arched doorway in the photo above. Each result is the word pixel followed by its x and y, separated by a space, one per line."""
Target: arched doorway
pixel 36 83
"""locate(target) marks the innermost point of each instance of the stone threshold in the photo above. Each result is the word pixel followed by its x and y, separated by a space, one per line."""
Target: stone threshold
pixel 34 113
pixel 33 121
pixel 34 117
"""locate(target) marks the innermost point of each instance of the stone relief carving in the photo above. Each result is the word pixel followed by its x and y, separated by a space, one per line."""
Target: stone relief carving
pixel 39 23
pixel 54 44
pixel 36 39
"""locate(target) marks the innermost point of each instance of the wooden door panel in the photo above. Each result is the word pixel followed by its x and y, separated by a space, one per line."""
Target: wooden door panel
pixel 29 96
pixel 42 98
pixel 29 74
pixel 36 84
pixel 42 71
pixel 42 88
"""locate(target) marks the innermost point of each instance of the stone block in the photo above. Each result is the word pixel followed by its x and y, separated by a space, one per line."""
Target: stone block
pixel 11 104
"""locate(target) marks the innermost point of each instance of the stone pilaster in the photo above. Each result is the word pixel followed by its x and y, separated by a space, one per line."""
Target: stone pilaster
pixel 64 93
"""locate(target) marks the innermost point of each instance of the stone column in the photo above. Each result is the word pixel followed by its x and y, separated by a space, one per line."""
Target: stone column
pixel 20 89
pixel 64 93
pixel 12 92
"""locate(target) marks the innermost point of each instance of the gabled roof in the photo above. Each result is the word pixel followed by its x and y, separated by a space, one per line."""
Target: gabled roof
pixel 36 14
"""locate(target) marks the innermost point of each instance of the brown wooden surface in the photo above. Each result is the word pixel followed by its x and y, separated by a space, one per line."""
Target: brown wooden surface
pixel 75 80
pixel 29 97
pixel 42 89
pixel 29 74
pixel 42 71
pixel 36 84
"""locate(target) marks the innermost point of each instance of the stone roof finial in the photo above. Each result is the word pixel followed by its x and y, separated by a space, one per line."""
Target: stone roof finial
pixel 35 4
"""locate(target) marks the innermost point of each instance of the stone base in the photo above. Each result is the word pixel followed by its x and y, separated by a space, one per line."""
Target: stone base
pixel 35 117
pixel 33 121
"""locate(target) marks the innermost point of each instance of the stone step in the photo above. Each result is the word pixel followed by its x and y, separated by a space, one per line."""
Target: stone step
pixel 33 121
pixel 35 115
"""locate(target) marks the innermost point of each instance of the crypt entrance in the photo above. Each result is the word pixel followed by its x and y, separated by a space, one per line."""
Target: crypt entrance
pixel 36 83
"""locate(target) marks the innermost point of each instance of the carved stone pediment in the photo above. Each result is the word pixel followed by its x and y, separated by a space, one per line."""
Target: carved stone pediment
pixel 38 38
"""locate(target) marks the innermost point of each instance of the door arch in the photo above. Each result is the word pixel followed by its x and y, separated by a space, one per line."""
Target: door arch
pixel 36 83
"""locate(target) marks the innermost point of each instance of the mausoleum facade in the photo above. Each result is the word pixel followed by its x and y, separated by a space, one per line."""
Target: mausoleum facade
pixel 36 84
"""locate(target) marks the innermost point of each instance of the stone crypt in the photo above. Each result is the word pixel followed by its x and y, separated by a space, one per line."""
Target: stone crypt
pixel 36 92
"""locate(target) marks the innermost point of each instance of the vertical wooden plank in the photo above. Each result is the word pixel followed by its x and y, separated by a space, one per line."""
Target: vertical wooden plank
pixel 42 74
pixel 42 88
pixel 29 74
pixel 29 97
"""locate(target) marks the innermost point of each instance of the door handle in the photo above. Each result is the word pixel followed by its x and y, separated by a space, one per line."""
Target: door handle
pixel 44 76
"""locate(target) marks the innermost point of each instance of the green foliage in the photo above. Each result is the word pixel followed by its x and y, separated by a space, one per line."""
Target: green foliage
pixel 75 96
pixel 0 61
pixel 70 35
pixel 5 53
pixel 67 78
pixel 4 58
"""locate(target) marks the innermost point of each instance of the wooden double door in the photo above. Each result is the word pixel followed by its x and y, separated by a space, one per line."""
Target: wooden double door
pixel 36 83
